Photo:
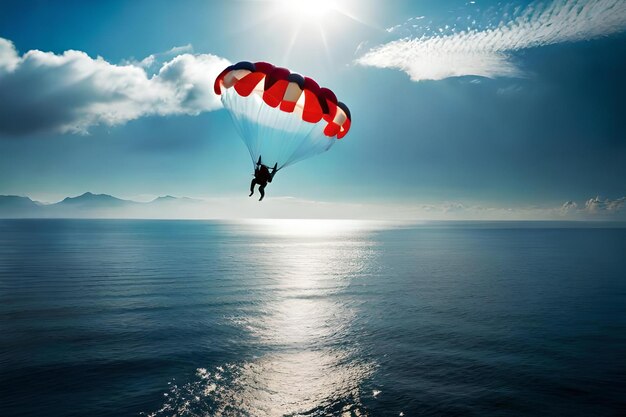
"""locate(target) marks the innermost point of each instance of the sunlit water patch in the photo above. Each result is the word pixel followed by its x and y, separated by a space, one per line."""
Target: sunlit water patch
pixel 286 384
pixel 307 359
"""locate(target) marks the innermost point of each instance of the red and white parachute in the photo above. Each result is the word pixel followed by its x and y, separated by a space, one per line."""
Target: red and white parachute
pixel 281 116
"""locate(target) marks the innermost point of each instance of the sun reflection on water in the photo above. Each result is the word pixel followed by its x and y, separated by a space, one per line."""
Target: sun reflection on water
pixel 307 228
pixel 308 361
pixel 306 319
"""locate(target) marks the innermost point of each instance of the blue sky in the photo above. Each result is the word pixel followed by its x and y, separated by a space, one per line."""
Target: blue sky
pixel 460 109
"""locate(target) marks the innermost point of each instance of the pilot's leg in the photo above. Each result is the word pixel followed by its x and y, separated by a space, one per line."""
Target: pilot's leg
pixel 252 184
pixel 262 191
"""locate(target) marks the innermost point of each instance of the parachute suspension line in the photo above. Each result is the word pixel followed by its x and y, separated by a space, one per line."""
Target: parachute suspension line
pixel 243 127
pixel 283 146
pixel 290 144
pixel 310 142
pixel 267 114
pixel 255 107
pixel 258 101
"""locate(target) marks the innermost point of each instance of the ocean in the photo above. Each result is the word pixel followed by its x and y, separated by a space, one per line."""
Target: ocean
pixel 311 318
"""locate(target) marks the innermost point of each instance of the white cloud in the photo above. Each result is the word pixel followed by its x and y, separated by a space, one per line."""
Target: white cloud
pixel 158 59
pixel 487 52
pixel 569 207
pixel 8 56
pixel 70 92
pixel 598 205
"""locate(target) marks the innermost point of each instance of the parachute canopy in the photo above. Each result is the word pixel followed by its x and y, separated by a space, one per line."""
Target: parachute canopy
pixel 281 116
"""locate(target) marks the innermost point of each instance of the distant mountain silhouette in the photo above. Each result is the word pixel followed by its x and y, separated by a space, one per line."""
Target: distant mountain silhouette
pixel 170 199
pixel 93 200
pixel 164 198
pixel 90 205
pixel 14 206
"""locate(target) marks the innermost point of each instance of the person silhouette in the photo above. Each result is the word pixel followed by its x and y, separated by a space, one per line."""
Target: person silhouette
pixel 262 176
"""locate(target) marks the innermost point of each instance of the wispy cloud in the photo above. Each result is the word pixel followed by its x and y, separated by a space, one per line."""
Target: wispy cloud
pixel 153 60
pixel 487 52
pixel 70 92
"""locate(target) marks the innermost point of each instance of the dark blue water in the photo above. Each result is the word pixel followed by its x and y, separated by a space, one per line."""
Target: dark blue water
pixel 194 318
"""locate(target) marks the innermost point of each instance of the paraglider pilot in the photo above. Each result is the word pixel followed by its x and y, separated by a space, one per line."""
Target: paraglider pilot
pixel 262 176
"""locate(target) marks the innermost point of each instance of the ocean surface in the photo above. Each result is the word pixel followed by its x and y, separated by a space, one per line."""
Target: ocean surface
pixel 311 318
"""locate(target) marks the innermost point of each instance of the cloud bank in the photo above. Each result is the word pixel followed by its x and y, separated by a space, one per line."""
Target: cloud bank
pixel 70 92
pixel 596 208
pixel 598 205
pixel 487 53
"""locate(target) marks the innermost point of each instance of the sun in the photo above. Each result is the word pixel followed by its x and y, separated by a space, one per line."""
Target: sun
pixel 308 9
pixel 315 23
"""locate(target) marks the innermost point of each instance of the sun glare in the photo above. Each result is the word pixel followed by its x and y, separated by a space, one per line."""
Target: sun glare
pixel 318 22
pixel 308 9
